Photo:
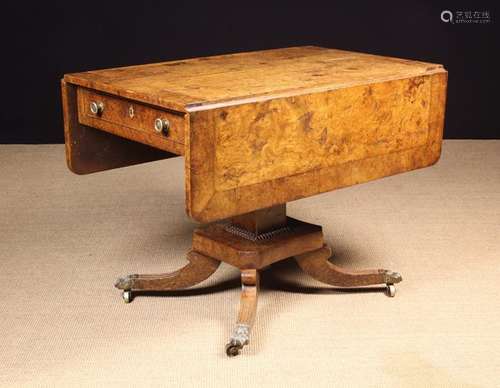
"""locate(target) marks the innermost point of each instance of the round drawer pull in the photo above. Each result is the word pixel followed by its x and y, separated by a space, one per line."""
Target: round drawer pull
pixel 96 107
pixel 162 125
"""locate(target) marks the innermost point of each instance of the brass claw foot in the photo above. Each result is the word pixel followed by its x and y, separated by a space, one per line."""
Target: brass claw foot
pixel 126 283
pixel 392 277
pixel 240 338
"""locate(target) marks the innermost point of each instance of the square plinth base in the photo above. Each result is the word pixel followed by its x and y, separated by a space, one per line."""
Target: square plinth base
pixel 235 247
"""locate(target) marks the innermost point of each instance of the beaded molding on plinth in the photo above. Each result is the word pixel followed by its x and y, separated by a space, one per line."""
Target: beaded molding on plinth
pixel 236 230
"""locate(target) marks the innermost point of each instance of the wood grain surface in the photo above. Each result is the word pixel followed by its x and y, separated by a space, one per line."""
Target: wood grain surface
pixel 317 265
pixel 262 220
pixel 214 240
pixel 268 127
pixel 89 150
pixel 132 120
pixel 198 268
pixel 255 155
pixel 193 83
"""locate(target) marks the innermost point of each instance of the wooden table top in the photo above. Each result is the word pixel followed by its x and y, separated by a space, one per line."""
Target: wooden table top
pixel 262 128
pixel 200 83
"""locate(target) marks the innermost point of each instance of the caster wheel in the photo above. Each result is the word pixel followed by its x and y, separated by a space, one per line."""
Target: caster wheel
pixel 127 296
pixel 233 349
pixel 391 290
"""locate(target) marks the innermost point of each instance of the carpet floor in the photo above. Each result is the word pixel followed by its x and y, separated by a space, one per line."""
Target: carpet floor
pixel 64 239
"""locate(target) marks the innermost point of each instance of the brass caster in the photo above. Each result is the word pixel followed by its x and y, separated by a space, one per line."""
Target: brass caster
pixel 240 338
pixel 233 348
pixel 127 296
pixel 391 290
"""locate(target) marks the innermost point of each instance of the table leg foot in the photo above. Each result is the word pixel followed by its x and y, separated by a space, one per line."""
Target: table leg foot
pixel 247 312
pixel 239 338
pixel 127 296
pixel 391 290
pixel 199 268
pixel 317 265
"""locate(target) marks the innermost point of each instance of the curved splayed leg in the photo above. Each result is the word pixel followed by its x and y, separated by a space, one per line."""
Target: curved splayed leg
pixel 199 268
pixel 317 265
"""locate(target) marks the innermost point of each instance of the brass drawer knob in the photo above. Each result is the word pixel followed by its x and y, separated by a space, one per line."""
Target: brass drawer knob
pixel 96 107
pixel 162 125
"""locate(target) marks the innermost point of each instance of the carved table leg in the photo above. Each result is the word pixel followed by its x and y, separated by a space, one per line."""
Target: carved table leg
pixel 316 265
pixel 199 268
pixel 246 315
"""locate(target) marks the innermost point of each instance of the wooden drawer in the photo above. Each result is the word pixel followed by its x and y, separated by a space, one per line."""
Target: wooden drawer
pixel 132 120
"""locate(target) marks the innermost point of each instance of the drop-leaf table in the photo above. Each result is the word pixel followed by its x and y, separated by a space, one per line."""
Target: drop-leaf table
pixel 258 130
